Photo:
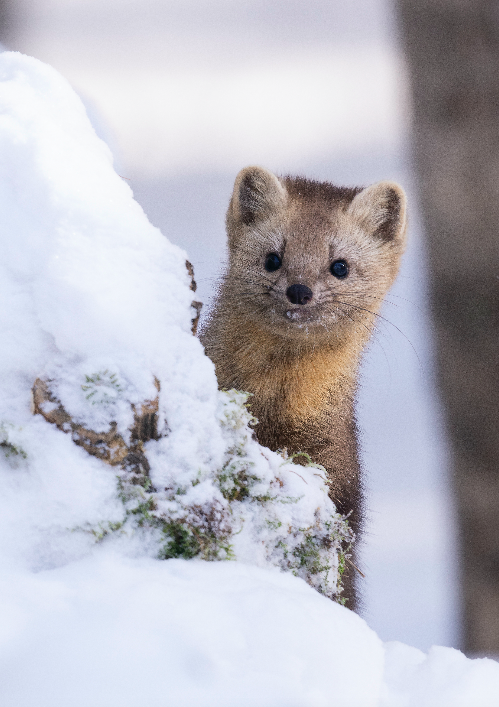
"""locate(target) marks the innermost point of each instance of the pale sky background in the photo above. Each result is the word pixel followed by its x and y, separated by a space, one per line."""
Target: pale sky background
pixel 187 92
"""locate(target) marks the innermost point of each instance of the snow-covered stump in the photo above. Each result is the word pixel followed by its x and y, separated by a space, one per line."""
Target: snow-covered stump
pixel 134 462
pixel 98 328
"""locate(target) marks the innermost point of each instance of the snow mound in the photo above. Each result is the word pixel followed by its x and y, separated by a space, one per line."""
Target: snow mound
pixel 97 306
pixel 99 314
pixel 112 631
pixel 182 633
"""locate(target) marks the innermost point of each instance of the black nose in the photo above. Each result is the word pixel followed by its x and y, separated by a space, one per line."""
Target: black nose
pixel 299 294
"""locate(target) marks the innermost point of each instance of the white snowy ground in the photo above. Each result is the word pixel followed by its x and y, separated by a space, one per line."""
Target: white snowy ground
pixel 87 284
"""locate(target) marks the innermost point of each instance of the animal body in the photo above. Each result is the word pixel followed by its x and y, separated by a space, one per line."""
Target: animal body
pixel 309 265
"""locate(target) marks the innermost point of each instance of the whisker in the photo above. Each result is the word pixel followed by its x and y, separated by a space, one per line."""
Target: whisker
pixel 375 314
pixel 384 299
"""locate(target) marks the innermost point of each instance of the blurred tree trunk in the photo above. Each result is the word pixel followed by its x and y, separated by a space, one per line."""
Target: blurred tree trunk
pixel 452 48
pixel 7 12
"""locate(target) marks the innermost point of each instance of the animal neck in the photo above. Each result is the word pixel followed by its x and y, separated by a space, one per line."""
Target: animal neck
pixel 298 378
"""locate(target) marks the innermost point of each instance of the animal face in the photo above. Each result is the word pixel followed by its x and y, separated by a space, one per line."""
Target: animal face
pixel 310 260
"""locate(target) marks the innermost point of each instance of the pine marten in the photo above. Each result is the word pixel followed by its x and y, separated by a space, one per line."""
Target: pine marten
pixel 309 266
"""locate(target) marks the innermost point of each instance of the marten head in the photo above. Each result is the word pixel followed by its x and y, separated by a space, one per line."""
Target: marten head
pixel 308 259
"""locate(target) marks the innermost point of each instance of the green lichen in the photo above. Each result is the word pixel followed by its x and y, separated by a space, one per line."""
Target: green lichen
pixel 308 554
pixel 189 531
pixel 102 387
pixel 12 451
pixel 104 529
pixel 235 481
pixel 188 540
pixel 181 542
pixel 274 524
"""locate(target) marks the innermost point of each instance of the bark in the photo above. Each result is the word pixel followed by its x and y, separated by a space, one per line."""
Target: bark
pixel 452 48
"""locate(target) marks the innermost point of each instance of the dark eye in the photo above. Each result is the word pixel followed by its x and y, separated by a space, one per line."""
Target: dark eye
pixel 339 269
pixel 272 262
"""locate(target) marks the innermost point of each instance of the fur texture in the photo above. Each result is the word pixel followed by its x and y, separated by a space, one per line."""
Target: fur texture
pixel 300 361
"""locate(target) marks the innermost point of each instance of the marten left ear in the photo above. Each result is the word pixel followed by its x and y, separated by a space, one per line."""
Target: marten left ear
pixel 381 210
pixel 257 193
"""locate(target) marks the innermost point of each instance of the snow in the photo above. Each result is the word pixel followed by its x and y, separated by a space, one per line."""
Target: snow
pixel 97 301
pixel 100 307
pixel 110 630
pixel 183 633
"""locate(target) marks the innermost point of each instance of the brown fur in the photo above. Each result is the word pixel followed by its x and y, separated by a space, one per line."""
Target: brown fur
pixel 301 362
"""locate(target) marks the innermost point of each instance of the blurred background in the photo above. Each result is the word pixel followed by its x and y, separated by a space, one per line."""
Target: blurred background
pixel 187 92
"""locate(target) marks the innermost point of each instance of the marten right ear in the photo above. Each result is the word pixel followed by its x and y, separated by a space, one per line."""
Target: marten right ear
pixel 381 209
pixel 257 193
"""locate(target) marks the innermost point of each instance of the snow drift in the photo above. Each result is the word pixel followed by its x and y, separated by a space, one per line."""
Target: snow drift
pixel 96 302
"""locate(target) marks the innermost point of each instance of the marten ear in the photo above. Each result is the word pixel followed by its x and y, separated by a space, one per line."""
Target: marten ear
pixel 257 193
pixel 381 210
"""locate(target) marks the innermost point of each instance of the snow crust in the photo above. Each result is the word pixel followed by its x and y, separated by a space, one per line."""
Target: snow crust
pixel 89 288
